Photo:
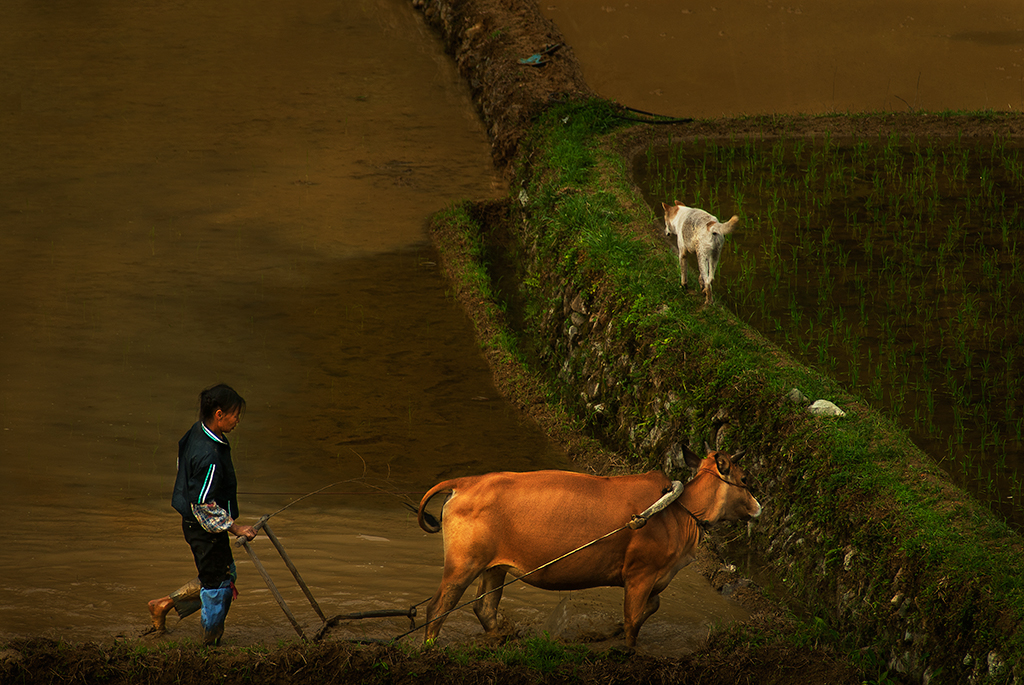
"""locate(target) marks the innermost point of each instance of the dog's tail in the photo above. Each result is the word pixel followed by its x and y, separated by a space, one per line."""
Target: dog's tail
pixel 729 225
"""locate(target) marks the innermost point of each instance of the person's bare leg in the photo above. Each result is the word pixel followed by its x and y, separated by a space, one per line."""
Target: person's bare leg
pixel 184 600
pixel 158 610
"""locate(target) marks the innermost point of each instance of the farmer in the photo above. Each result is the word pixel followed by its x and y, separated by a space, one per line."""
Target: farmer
pixel 205 494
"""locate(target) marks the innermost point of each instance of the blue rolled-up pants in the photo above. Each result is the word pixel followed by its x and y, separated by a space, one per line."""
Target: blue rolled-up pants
pixel 212 554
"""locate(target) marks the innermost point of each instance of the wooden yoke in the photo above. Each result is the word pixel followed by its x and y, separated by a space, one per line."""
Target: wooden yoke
pixel 640 520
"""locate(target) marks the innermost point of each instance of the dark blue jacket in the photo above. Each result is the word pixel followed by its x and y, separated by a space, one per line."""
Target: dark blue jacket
pixel 205 474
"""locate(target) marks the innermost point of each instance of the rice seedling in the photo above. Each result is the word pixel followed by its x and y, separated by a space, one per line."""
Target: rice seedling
pixel 892 263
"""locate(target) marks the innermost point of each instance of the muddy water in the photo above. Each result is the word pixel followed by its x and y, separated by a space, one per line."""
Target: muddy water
pixel 193 193
pixel 735 57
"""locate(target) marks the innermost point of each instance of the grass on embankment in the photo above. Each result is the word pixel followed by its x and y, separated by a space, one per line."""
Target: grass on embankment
pixel 886 555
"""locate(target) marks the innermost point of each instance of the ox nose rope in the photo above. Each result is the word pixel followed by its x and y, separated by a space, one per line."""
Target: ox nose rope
pixel 636 522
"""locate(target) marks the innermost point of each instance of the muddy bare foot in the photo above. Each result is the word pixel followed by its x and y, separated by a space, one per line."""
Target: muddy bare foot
pixel 212 637
pixel 158 610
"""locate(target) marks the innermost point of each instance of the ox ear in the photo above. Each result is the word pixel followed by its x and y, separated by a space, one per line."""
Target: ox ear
pixel 723 463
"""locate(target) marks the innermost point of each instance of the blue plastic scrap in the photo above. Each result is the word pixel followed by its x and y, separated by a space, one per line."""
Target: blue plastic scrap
pixel 539 59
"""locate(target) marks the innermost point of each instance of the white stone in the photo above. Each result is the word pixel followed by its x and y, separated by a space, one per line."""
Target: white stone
pixel 825 408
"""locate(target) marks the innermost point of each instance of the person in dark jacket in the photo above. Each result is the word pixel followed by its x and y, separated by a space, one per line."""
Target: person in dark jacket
pixel 205 494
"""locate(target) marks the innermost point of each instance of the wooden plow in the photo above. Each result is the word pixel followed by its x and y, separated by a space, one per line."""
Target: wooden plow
pixel 326 623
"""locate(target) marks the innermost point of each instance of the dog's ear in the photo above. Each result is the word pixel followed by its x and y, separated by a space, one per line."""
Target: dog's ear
pixel 664 206
pixel 680 204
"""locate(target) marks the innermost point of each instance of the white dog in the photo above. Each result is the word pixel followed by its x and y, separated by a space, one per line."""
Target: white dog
pixel 698 232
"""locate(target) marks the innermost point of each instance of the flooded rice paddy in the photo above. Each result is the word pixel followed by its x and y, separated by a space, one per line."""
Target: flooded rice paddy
pixel 194 193
pixel 737 57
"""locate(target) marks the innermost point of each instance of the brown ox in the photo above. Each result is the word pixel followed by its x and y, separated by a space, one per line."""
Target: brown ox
pixel 501 523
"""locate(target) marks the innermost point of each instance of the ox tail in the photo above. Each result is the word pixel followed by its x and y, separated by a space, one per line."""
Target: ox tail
pixel 426 520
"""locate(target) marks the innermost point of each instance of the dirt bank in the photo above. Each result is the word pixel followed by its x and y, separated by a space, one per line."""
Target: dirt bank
pixel 44 661
pixel 487 39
